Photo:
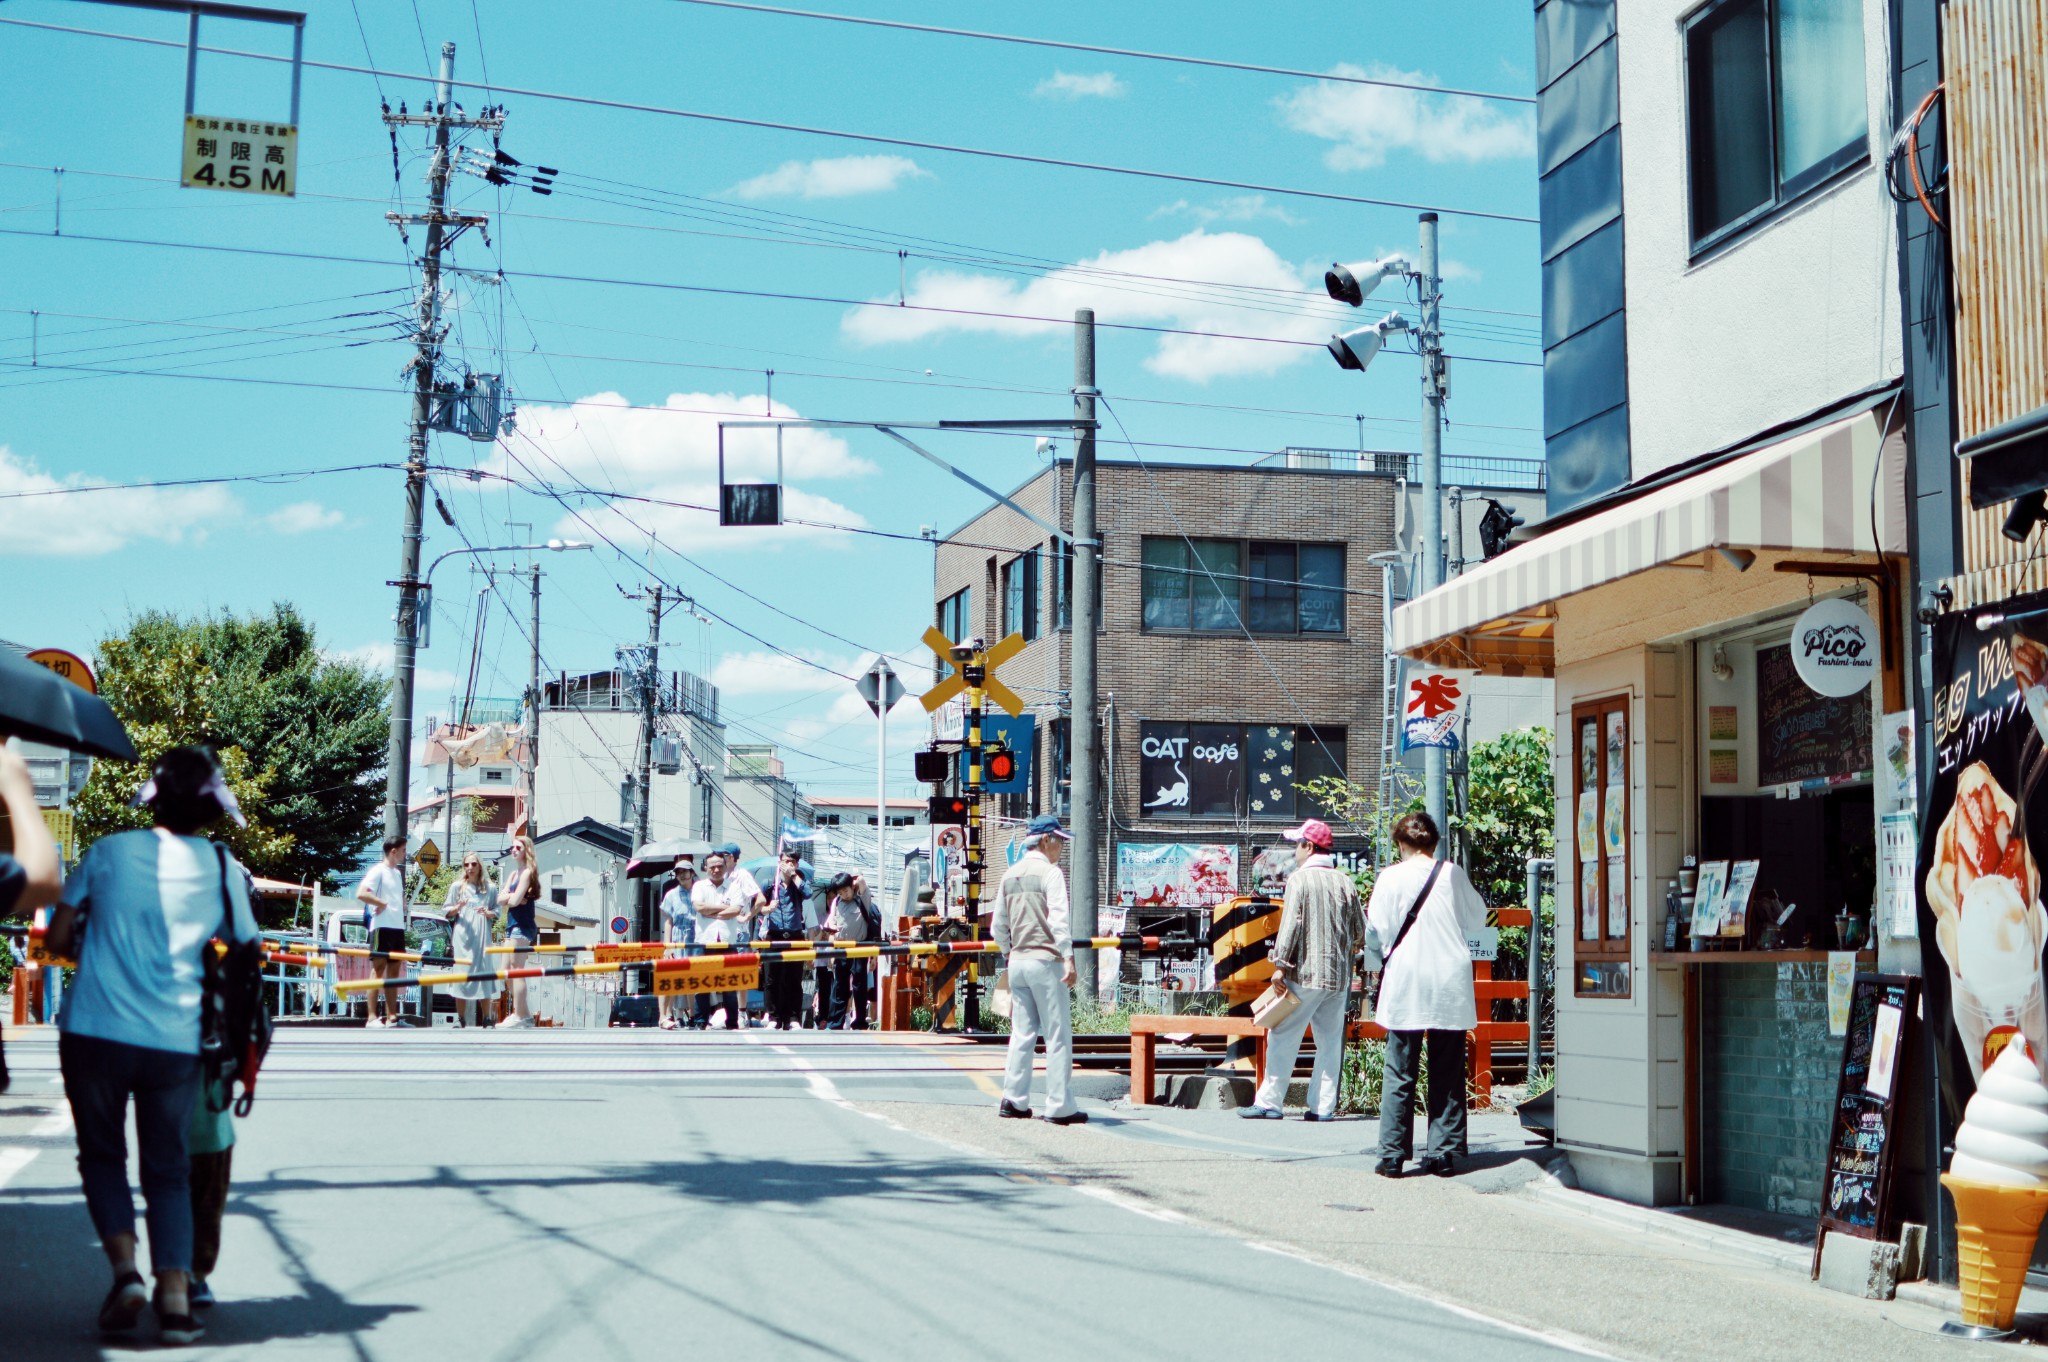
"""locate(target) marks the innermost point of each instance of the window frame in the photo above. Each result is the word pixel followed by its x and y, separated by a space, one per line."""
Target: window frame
pixel 1189 573
pixel 1606 946
pixel 1019 596
pixel 958 616
pixel 1839 164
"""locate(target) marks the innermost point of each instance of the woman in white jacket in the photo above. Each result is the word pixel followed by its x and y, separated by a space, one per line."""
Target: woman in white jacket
pixel 1421 912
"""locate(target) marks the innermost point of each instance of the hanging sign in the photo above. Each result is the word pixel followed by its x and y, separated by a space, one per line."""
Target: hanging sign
pixel 241 154
pixel 70 666
pixel 1433 706
pixel 1835 648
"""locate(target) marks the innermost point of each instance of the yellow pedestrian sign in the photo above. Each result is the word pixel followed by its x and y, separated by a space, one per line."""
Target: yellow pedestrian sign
pixel 428 858
pixel 955 684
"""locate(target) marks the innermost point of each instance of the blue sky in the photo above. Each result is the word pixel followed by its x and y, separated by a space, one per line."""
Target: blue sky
pixel 620 386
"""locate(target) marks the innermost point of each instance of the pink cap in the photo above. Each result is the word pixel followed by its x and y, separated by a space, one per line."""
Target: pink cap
pixel 1315 832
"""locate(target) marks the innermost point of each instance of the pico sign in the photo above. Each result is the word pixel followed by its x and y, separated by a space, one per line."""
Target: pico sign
pixel 246 155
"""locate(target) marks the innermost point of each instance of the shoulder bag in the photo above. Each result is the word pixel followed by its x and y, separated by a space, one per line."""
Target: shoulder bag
pixel 1376 956
pixel 234 1028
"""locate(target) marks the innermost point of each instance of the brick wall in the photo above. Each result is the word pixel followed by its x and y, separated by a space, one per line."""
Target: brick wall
pixel 1768 1071
pixel 1327 681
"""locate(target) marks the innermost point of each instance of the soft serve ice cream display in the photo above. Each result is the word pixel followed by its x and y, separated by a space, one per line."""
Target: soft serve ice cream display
pixel 1984 889
pixel 1999 1179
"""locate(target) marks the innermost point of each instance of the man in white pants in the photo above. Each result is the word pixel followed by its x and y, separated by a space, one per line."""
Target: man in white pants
pixel 1032 927
pixel 1321 924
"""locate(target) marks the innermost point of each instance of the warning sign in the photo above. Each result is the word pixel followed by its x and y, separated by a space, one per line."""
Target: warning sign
pixel 240 154
pixel 705 976
pixel 615 952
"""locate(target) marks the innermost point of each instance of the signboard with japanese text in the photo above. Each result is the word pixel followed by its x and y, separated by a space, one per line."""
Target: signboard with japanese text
pixel 1174 875
pixel 68 665
pixel 241 154
pixel 1433 706
pixel 613 953
pixel 705 976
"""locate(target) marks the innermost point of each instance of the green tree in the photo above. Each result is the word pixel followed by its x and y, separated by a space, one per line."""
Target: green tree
pixel 301 737
pixel 1510 815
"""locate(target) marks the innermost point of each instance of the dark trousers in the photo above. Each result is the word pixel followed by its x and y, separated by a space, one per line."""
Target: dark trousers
pixel 783 985
pixel 209 1203
pixel 710 1002
pixel 852 986
pixel 1445 1099
pixel 100 1076
pixel 827 1004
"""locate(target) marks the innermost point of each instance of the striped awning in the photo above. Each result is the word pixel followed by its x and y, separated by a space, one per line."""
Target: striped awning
pixel 1810 492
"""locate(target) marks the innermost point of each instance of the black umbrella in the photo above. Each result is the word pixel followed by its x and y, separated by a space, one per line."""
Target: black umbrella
pixel 659 857
pixel 41 706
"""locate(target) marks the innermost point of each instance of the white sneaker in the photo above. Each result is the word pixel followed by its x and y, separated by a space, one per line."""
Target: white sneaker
pixel 514 1023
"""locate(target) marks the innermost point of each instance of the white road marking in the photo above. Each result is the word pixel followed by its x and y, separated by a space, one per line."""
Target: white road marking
pixel 56 1123
pixel 12 1161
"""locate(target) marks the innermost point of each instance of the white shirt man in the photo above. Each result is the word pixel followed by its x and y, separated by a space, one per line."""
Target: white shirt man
pixel 383 890
pixel 1032 926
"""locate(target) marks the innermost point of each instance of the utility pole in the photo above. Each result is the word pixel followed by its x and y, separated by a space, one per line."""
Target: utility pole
pixel 648 677
pixel 1430 342
pixel 533 717
pixel 1083 716
pixel 440 117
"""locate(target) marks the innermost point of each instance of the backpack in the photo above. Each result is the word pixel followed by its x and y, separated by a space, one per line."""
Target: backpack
pixel 234 1028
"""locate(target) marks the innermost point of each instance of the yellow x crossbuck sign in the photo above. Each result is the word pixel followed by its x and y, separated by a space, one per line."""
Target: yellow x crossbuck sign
pixel 956 683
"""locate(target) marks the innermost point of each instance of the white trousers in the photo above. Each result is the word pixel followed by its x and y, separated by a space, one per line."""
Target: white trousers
pixel 1040 1006
pixel 1323 1009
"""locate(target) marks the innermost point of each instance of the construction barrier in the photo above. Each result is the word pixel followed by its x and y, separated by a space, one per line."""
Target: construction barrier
pixel 1241 933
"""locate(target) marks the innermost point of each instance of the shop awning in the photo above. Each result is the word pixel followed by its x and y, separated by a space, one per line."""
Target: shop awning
pixel 1809 492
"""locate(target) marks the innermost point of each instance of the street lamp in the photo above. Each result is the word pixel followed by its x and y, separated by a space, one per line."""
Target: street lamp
pixel 426 606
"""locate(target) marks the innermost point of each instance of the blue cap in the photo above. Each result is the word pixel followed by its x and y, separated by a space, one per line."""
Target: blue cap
pixel 1046 825
pixel 729 849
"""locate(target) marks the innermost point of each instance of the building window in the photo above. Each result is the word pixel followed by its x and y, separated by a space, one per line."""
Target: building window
pixel 1020 595
pixel 828 820
pixel 492 777
pixel 1224 585
pixel 955 612
pixel 1775 106
pixel 1600 841
pixel 1060 740
pixel 902 820
pixel 1234 770
pixel 1062 554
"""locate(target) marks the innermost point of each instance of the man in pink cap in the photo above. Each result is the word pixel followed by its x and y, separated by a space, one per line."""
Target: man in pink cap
pixel 1321 925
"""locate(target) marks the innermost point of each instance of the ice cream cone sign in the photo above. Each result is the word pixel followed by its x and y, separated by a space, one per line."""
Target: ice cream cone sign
pixel 1999 1182
pixel 1983 887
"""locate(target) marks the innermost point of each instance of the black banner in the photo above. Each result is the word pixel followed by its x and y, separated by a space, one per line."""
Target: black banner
pixel 1982 926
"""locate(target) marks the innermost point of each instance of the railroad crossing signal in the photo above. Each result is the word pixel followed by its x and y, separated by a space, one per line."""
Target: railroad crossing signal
pixel 987 659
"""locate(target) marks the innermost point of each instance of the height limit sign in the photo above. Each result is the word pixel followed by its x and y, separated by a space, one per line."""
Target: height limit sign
pixel 242 155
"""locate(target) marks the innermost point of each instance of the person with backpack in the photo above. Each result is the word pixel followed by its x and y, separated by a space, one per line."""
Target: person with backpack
pixel 1422 912
pixel 852 921
pixel 1320 928
pixel 138 916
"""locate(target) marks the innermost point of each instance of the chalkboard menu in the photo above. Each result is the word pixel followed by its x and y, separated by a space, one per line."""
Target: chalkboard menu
pixel 1802 734
pixel 1856 1184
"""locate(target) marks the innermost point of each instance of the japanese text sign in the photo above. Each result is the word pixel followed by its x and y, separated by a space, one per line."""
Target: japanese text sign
pixel 1433 706
pixel 705 976
pixel 242 154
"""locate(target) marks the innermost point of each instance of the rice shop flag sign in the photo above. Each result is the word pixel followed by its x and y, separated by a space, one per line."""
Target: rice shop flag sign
pixel 1982 927
pixel 243 154
pixel 1433 706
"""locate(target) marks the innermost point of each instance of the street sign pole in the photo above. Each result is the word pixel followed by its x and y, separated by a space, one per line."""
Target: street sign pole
pixel 880 688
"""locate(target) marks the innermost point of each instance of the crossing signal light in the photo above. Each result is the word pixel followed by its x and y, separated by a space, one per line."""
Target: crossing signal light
pixel 948 809
pixel 998 764
pixel 933 766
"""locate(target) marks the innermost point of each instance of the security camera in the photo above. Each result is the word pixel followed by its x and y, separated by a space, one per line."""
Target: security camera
pixel 1046 447
pixel 1352 286
pixel 1355 349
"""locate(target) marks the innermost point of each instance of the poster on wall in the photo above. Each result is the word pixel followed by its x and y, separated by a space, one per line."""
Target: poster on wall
pixel 1167 875
pixel 1982 926
pixel 1706 903
pixel 1589 901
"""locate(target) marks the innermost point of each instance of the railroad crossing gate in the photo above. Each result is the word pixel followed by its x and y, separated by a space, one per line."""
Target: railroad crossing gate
pixel 704 974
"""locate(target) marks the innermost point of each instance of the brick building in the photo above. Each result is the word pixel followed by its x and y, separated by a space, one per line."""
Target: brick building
pixel 1240 650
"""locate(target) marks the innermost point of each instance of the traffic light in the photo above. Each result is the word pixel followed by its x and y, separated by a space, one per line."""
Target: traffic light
pixel 934 766
pixel 998 765
pixel 1006 753
pixel 948 809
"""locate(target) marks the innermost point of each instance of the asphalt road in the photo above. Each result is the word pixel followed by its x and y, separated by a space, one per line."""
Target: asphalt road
pixel 622 1195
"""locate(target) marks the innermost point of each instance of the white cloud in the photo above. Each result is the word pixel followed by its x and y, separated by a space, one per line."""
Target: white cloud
pixel 1369 122
pixel 1074 85
pixel 670 453
pixel 303 517
pixel 832 177
pixel 1213 257
pixel 766 673
pixel 1235 208
pixel 427 682
pixel 86 524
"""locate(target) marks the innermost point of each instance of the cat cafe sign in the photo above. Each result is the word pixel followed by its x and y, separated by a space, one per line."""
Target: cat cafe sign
pixel 1835 648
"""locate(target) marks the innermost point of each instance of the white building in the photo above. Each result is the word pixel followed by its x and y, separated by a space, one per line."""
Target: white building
pixel 589 750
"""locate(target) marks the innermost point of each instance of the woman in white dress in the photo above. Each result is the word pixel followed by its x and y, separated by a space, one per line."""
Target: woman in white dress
pixel 469 933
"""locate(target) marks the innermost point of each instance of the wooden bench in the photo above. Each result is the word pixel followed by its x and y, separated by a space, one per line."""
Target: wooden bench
pixel 1145 1033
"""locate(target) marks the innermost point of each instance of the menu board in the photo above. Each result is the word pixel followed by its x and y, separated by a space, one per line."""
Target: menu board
pixel 1856 1184
pixel 1802 734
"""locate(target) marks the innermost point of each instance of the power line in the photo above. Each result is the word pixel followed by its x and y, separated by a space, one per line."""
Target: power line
pixel 282 475
pixel 772 125
pixel 1334 77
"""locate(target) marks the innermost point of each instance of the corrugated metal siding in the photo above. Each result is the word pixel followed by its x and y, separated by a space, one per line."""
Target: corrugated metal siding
pixel 1997 112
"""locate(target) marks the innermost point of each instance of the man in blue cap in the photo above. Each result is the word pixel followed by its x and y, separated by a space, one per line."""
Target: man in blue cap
pixel 1032 925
